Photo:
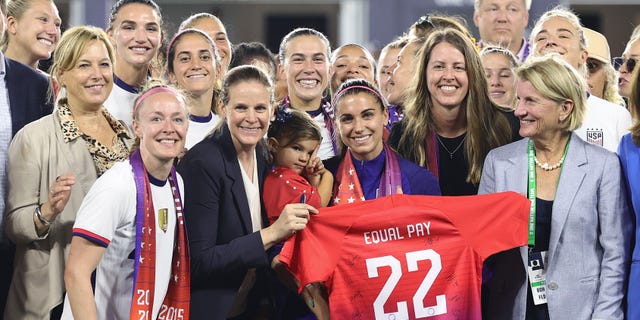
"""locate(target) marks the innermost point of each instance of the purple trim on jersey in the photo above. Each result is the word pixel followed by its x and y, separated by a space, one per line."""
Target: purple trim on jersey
pixel 395 114
pixel 155 181
pixel 314 113
pixel 327 111
pixel 201 119
pixel 125 86
pixel 94 238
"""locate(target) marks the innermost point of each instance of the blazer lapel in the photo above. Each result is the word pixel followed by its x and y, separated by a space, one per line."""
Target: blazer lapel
pixel 573 173
pixel 516 169
pixel 17 102
pixel 234 173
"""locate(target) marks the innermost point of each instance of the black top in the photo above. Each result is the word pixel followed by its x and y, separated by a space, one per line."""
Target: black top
pixel 453 168
pixel 543 233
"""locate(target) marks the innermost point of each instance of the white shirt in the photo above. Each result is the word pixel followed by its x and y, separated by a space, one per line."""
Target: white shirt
pixel 6 133
pixel 604 123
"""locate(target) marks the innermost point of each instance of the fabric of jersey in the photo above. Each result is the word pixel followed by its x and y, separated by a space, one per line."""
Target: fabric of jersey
pixel 120 101
pixel 324 117
pixel 604 123
pixel 410 255
pixel 283 186
pixel 200 127
pixel 107 218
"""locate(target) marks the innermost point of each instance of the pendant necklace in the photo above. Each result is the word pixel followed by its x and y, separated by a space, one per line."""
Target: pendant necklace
pixel 447 149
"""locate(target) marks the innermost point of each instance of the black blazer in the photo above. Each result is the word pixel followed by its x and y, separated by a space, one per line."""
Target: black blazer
pixel 28 96
pixel 222 243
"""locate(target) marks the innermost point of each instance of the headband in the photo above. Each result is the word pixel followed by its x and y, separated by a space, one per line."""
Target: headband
pixel 153 91
pixel 343 91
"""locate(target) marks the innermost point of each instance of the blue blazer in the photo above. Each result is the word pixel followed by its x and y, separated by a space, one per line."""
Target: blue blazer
pixel 222 243
pixel 28 94
pixel 630 158
pixel 590 236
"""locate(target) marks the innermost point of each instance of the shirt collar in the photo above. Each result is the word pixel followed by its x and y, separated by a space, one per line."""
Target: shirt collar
pixel 3 67
pixel 73 131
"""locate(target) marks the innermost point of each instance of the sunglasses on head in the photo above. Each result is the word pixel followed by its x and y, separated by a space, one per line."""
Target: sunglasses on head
pixel 619 61
pixel 425 20
pixel 593 65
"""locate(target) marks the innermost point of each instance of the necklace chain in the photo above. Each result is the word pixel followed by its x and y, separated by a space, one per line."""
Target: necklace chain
pixel 546 166
pixel 447 149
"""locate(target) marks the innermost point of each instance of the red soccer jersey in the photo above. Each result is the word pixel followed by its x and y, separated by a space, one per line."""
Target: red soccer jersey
pixel 283 186
pixel 406 257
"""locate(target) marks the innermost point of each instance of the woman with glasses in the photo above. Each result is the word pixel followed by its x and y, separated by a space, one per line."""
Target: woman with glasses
pixel 602 80
pixel 629 152
pixel 626 64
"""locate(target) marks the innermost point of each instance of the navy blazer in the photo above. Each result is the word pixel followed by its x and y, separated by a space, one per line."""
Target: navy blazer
pixel 222 243
pixel 28 94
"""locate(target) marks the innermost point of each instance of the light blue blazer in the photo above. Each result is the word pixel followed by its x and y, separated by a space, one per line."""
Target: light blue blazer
pixel 590 236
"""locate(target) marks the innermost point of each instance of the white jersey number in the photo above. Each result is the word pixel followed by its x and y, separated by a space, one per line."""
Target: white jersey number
pixel 419 309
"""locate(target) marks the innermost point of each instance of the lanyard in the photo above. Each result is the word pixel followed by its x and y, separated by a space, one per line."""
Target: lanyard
pixel 532 193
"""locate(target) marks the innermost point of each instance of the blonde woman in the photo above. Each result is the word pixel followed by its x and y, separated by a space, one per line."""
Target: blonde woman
pixel 52 164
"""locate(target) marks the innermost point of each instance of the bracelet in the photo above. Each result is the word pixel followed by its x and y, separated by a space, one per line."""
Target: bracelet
pixel 41 218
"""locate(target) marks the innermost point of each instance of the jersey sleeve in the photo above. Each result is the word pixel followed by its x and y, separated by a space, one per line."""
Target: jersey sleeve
pixel 106 206
pixel 491 223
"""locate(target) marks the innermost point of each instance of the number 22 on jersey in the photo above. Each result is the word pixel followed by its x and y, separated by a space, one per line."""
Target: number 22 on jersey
pixel 419 309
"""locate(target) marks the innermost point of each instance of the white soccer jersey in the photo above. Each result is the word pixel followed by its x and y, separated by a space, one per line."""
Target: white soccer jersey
pixel 199 127
pixel 120 101
pixel 604 124
pixel 107 217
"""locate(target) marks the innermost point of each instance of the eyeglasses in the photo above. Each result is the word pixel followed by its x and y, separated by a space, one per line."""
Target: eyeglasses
pixel 619 61
pixel 593 65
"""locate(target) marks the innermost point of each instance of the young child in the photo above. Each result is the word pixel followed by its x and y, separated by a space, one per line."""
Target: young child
pixel 298 174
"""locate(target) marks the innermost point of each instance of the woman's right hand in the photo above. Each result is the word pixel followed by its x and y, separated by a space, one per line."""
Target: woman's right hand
pixel 294 217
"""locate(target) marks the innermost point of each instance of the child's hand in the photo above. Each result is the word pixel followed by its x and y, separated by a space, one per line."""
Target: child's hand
pixel 314 169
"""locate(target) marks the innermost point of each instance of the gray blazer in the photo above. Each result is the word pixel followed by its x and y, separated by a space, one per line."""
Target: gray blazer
pixel 590 236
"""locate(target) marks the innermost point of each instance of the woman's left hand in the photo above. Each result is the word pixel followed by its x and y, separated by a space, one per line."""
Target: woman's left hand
pixel 59 194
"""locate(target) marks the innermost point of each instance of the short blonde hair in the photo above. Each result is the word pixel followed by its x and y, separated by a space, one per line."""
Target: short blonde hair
pixel 73 44
pixel 557 80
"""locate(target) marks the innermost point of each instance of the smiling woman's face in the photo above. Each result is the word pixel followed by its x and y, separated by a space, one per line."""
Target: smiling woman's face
pixel 361 122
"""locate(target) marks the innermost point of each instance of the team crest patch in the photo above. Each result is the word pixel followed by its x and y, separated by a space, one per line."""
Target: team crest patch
pixel 163 219
pixel 595 136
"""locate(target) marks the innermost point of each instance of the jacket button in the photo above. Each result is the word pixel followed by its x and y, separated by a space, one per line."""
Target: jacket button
pixel 553 286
